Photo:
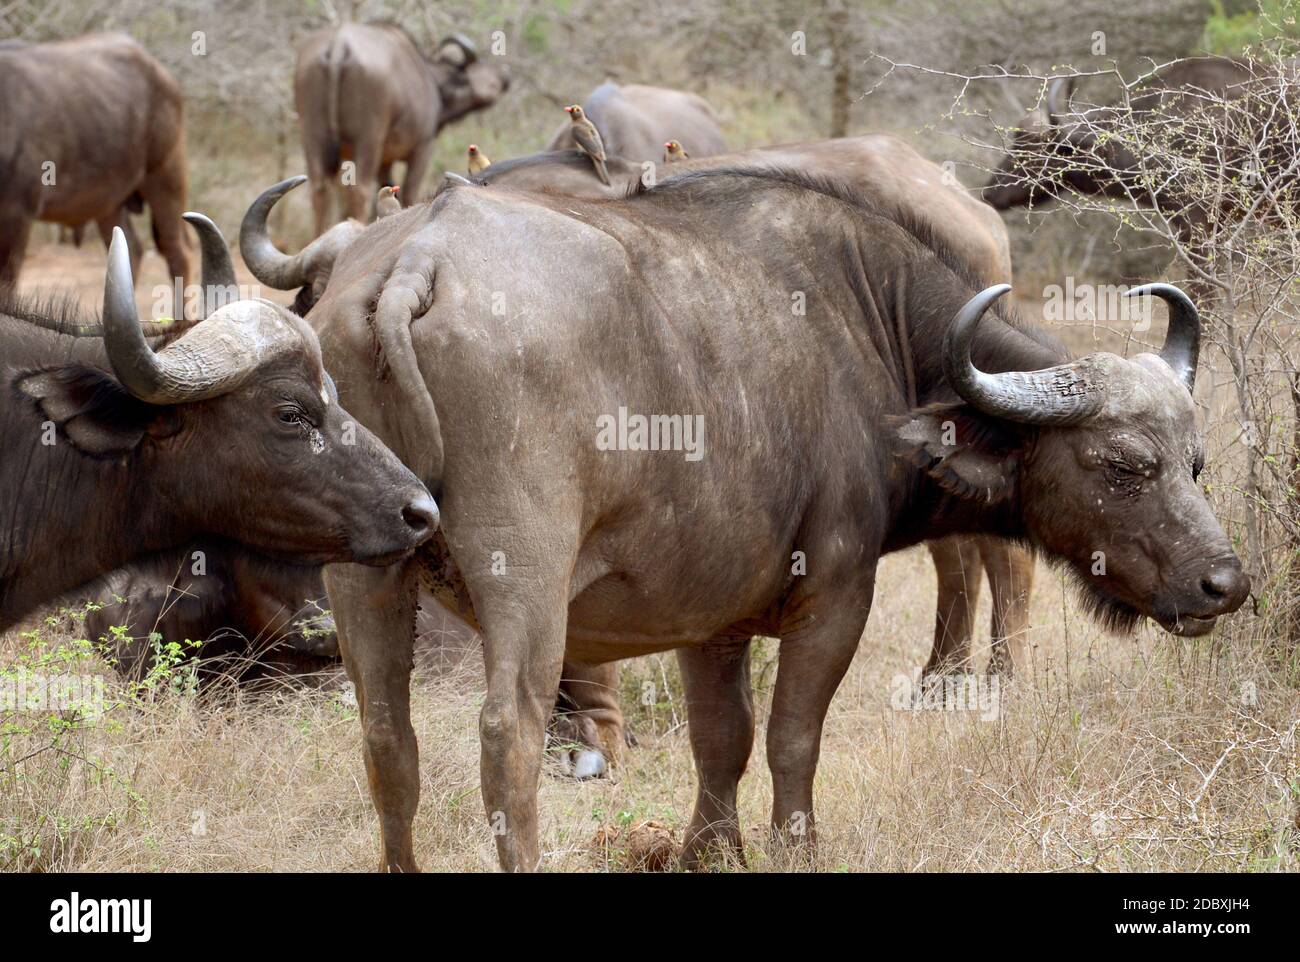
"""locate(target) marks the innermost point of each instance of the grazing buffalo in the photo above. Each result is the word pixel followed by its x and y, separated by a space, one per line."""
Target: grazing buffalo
pixel 115 450
pixel 1081 152
pixel 253 616
pixel 635 121
pixel 701 413
pixel 367 95
pixel 93 127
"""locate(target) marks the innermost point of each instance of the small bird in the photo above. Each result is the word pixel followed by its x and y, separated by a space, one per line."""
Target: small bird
pixel 588 139
pixel 674 151
pixel 388 202
pixel 478 161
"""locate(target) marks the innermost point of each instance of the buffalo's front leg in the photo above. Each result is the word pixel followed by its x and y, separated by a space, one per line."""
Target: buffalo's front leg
pixel 720 712
pixel 813 659
pixel 374 612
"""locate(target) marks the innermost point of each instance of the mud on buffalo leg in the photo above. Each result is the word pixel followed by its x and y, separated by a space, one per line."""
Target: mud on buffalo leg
pixel 720 712
pixel 957 566
pixel 1011 577
pixel 374 613
pixel 813 658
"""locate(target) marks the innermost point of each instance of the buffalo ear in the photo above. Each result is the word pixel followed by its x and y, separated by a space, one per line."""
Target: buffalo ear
pixel 970 454
pixel 92 411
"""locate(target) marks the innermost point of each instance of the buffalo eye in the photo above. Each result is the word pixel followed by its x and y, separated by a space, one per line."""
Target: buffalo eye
pixel 293 415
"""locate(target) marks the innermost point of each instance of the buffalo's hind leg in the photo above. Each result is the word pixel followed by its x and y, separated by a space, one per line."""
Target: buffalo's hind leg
pixel 1011 579
pixel 588 714
pixel 957 567
pixel 814 656
pixel 15 229
pixel 374 612
pixel 518 574
pixel 720 713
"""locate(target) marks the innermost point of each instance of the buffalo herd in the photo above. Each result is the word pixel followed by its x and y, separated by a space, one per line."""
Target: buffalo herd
pixel 673 411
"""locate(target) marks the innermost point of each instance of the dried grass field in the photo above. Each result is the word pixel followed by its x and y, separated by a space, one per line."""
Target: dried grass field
pixel 1138 754
pixel 1144 753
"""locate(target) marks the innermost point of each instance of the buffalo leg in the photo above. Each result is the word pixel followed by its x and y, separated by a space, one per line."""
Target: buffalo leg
pixel 14 232
pixel 522 609
pixel 813 659
pixel 374 613
pixel 359 199
pixel 164 191
pixel 322 193
pixel 416 167
pixel 1011 577
pixel 120 218
pixel 720 711
pixel 957 566
pixel 588 707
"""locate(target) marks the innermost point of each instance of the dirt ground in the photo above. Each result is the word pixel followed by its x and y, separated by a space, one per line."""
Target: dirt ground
pixel 52 267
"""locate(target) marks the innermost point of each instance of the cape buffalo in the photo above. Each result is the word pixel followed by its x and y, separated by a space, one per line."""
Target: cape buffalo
pixel 366 94
pixel 253 616
pixel 1081 152
pixel 639 445
pixel 635 121
pixel 887 171
pixel 92 126
pixel 115 450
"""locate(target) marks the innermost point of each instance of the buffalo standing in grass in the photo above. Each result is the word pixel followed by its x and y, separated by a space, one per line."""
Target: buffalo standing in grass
pixel 887 171
pixel 92 126
pixel 366 94
pixel 893 411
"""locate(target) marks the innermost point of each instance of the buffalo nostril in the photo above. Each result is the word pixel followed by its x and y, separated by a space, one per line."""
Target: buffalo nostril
pixel 1228 582
pixel 421 515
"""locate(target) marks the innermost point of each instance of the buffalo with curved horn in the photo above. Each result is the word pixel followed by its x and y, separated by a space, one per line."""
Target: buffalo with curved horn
pixel 831 439
pixel 367 95
pixel 153 447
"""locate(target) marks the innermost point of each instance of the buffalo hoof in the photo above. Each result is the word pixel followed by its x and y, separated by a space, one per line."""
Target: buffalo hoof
pixel 589 764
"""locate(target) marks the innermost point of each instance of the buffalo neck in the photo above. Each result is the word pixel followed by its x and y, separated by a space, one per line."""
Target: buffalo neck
pixel 922 509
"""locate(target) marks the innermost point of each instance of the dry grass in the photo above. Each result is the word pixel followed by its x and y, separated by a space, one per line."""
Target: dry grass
pixel 1110 754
